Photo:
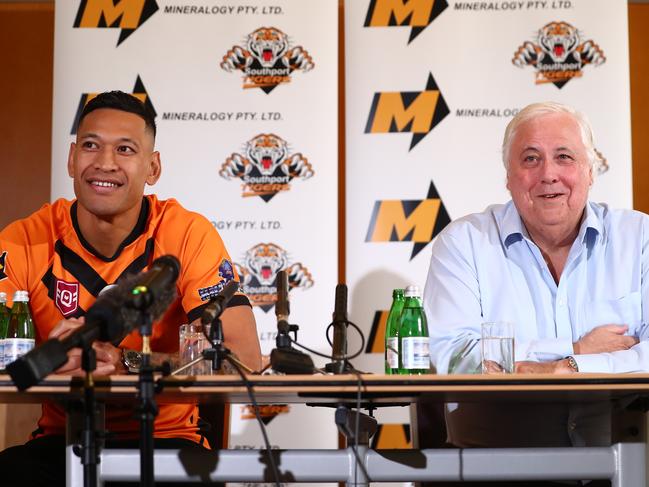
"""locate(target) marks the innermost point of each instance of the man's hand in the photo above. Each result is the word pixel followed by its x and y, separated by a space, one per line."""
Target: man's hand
pixel 556 367
pixel 605 338
pixel 109 358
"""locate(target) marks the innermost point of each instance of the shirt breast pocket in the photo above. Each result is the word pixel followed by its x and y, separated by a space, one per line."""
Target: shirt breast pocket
pixel 626 310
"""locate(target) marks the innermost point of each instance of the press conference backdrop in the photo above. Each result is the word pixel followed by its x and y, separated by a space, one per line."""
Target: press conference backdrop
pixel 246 101
pixel 430 86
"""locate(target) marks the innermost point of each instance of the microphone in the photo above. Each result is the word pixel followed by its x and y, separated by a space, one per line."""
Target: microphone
pixel 162 275
pixel 109 319
pixel 282 306
pixel 217 304
pixel 339 322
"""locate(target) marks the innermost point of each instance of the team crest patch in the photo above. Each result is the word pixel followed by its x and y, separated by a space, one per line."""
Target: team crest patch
pixel 226 271
pixel 266 167
pixel 259 270
pixel 267 60
pixel 3 264
pixel 67 296
pixel 559 54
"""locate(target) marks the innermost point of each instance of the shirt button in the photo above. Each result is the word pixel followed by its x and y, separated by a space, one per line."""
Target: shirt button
pixel 572 425
pixel 561 303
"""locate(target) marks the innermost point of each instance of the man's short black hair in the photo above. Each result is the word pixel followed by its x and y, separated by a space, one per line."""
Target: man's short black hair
pixel 118 100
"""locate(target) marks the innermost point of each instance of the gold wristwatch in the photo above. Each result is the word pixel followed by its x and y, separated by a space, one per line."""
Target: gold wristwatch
pixel 572 363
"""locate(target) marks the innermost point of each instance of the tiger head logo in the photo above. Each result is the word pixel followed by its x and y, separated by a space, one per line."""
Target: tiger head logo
pixel 267 59
pixel 558 40
pixel 265 261
pixel 266 152
pixel 268 44
pixel 259 269
pixel 560 54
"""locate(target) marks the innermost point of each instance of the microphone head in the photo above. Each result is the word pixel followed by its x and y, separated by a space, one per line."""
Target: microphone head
pixel 170 262
pixel 282 304
pixel 340 306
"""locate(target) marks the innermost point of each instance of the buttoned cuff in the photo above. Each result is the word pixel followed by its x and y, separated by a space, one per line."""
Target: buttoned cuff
pixel 592 362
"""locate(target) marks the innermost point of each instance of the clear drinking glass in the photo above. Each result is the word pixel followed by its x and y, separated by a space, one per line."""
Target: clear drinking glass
pixel 191 345
pixel 497 347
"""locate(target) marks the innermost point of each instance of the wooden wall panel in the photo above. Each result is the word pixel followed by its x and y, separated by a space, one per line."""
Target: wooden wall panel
pixel 639 61
pixel 26 48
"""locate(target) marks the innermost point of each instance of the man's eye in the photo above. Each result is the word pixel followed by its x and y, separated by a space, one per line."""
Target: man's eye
pixel 530 159
pixel 89 145
pixel 125 149
pixel 565 157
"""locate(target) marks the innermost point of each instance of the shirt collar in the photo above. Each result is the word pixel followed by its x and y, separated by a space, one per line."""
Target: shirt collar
pixel 512 229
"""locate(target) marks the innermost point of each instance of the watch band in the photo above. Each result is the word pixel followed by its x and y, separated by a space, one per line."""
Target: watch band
pixel 572 363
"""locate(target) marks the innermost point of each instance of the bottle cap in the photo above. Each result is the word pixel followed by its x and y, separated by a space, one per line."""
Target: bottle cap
pixel 413 292
pixel 22 296
pixel 3 297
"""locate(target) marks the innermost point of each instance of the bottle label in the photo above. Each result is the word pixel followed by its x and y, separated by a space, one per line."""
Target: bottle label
pixel 392 352
pixel 16 347
pixel 2 354
pixel 415 352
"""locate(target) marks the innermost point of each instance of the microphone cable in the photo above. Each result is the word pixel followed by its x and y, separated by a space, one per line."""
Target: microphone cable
pixel 253 400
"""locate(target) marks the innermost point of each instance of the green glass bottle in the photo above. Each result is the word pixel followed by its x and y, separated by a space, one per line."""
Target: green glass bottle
pixel 392 333
pixel 4 322
pixel 20 331
pixel 414 356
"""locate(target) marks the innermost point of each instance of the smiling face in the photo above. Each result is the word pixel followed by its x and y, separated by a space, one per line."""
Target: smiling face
pixel 549 174
pixel 111 162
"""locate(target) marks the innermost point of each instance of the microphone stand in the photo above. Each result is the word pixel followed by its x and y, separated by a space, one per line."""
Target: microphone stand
pixel 89 451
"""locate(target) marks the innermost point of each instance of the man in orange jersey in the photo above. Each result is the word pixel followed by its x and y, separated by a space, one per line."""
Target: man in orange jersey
pixel 68 251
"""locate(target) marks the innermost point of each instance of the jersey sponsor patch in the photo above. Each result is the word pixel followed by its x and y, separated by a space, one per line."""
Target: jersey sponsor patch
pixel 67 297
pixel 3 263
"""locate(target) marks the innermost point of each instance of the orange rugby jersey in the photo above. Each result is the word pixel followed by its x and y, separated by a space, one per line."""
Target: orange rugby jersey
pixel 46 254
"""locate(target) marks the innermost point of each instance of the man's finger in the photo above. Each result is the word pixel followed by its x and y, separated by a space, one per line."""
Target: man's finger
pixel 618 329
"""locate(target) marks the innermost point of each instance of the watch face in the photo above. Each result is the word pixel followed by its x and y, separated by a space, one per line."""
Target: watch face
pixel 132 359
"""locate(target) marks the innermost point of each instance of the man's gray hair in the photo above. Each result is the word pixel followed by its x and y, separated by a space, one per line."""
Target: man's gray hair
pixel 535 110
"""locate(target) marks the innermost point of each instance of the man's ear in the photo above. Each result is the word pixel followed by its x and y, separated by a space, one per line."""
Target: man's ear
pixel 71 160
pixel 155 169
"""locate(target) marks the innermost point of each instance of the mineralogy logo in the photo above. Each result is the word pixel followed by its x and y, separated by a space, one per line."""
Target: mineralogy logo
pixel 392 436
pixel 417 14
pixel 559 54
pixel 376 340
pixel 259 269
pixel 416 221
pixel 416 112
pixel 127 15
pixel 139 91
pixel 266 167
pixel 267 60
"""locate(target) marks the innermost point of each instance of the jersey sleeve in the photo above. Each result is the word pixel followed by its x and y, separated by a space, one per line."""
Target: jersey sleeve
pixel 206 267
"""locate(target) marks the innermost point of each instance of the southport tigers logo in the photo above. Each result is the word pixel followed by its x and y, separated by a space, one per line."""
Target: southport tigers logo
pixel 559 54
pixel 267 60
pixel 266 167
pixel 259 269
pixel 139 92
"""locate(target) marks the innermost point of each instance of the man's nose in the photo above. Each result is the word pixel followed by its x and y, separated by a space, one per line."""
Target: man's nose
pixel 106 160
pixel 549 174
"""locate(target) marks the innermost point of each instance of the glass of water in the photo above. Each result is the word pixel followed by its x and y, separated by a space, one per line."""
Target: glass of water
pixel 192 343
pixel 497 347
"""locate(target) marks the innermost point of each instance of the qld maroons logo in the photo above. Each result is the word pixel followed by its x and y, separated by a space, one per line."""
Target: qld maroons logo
pixel 559 54
pixel 259 269
pixel 267 60
pixel 67 297
pixel 266 167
